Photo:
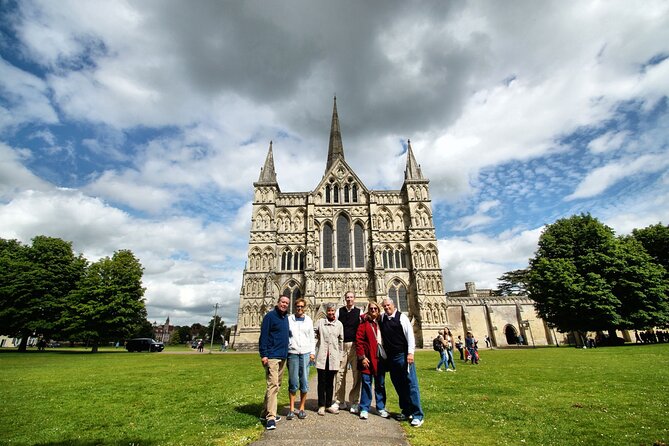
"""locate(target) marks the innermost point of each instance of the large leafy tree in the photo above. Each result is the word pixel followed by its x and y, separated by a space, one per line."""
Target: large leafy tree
pixel 655 239
pixel 34 281
pixel 109 304
pixel 568 275
pixel 585 278
pixel 220 328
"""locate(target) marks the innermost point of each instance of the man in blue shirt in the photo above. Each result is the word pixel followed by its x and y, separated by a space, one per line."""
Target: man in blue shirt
pixel 273 349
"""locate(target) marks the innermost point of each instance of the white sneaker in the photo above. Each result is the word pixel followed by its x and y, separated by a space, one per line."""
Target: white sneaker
pixel 439 370
pixel 321 411
pixel 416 422
pixel 364 415
pixel 383 413
pixel 448 370
pixel 333 409
pixel 354 408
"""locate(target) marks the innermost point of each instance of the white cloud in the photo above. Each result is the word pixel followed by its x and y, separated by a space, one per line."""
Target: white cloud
pixel 598 180
pixel 482 259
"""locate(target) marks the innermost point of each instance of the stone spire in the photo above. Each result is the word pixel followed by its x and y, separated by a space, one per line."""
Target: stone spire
pixel 267 173
pixel 412 172
pixel 336 148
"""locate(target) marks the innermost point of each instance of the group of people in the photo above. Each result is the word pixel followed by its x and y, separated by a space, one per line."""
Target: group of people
pixel 444 344
pixel 344 345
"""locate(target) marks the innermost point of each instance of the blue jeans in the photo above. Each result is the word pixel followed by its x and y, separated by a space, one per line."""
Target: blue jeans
pixel 449 358
pixel 298 372
pixel 405 382
pixel 442 359
pixel 379 389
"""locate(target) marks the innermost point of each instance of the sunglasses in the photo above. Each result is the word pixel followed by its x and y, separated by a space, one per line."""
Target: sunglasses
pixel 299 306
pixel 373 309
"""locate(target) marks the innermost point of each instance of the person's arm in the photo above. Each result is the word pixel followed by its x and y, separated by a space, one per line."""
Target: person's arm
pixel 408 334
pixel 263 343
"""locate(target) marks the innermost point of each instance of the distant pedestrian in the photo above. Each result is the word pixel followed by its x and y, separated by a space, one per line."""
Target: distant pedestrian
pixel 521 341
pixel 472 348
pixel 460 345
pixel 487 341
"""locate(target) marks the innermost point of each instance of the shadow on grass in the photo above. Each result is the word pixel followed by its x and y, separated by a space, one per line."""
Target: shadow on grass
pixel 74 351
pixel 250 409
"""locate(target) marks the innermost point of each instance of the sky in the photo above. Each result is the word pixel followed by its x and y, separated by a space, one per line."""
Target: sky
pixel 143 125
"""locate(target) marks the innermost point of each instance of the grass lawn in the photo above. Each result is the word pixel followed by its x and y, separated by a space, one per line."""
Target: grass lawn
pixel 549 396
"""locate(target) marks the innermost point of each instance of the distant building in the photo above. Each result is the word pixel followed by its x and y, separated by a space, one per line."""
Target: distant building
pixel 163 333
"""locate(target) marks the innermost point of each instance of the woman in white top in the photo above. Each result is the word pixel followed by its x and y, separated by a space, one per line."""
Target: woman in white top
pixel 301 348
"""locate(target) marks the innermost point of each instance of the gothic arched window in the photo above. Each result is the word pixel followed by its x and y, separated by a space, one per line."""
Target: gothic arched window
pixel 327 246
pixel 355 193
pixel 327 193
pixel 292 292
pixel 397 292
pixel 335 192
pixel 358 245
pixel 343 242
pixel 346 192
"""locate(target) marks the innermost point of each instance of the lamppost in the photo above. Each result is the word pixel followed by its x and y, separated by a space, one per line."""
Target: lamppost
pixel 213 328
pixel 526 324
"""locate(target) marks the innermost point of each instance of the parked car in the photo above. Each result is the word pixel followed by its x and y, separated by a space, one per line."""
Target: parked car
pixel 144 345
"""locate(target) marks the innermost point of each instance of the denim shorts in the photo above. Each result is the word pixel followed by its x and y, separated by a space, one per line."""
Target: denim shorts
pixel 298 372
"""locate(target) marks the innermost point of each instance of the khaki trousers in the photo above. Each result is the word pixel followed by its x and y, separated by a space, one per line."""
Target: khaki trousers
pixel 345 375
pixel 273 375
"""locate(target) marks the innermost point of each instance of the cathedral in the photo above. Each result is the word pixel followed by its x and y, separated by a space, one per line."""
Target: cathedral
pixel 342 236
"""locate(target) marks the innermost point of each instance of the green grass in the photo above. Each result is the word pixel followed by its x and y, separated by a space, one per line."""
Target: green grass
pixel 549 396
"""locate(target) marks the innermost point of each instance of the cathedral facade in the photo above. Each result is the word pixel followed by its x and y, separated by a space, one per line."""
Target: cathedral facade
pixel 342 236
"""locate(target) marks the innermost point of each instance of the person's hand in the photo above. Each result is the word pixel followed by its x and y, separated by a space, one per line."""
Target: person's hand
pixel 264 360
pixel 410 358
pixel 365 363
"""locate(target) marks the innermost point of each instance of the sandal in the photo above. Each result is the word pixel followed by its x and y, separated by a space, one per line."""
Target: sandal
pixel 290 416
pixel 301 415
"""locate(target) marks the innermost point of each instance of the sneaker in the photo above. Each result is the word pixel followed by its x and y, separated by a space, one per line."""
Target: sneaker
pixel 354 408
pixel 448 370
pixel 270 425
pixel 401 417
pixel 364 415
pixel 277 418
pixel 333 409
pixel 383 413
pixel 342 405
pixel 290 416
pixel 301 415
pixel 321 411
pixel 417 422
pixel 439 370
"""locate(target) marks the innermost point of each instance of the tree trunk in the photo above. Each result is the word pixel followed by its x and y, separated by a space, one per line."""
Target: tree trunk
pixel 94 347
pixel 23 346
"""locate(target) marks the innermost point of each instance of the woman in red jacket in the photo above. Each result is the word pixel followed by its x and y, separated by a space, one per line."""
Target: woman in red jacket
pixel 371 358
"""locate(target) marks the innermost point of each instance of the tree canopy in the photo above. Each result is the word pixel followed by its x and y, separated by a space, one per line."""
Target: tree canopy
pixel 46 290
pixel 513 283
pixel 109 303
pixel 583 278
pixel 33 283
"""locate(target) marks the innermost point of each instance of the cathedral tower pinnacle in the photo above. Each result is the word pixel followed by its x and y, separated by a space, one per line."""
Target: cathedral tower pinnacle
pixel 412 171
pixel 268 173
pixel 336 148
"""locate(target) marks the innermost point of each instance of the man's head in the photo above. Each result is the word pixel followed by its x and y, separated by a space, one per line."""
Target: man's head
pixel 350 299
pixel 388 306
pixel 283 304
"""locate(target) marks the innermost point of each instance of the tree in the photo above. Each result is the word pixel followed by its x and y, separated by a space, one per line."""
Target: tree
pixel 655 239
pixel 641 285
pixel 513 283
pixel 109 304
pixel 184 333
pixel 220 327
pixel 34 283
pixel 568 275
pixel 585 278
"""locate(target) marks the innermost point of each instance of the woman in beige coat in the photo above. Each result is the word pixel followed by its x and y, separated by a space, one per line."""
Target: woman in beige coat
pixel 329 348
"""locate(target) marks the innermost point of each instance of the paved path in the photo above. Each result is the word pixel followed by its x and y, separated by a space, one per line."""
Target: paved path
pixel 344 428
